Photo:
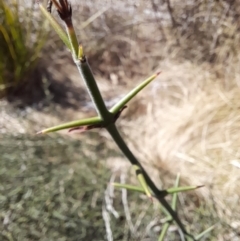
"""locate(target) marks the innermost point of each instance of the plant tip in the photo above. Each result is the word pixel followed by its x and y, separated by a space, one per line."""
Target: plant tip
pixel 64 9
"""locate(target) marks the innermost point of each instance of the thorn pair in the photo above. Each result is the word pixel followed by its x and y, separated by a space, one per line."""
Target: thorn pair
pixel 94 126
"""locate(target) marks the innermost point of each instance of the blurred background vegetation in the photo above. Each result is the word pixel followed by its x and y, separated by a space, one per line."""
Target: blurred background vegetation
pixel 55 187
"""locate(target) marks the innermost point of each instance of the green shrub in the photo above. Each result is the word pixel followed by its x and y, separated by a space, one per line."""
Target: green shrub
pixel 22 37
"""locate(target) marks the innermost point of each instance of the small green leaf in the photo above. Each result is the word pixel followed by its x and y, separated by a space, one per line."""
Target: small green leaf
pixel 142 181
pixel 129 187
pixel 73 40
pixel 59 30
pixel 68 125
pixel 132 93
pixel 182 189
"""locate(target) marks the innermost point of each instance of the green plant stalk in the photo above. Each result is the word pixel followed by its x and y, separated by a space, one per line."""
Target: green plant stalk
pixel 107 117
pixel 113 131
pixel 73 38
pixel 93 91
pixel 168 191
pixel 164 231
pixel 174 199
pixel 169 218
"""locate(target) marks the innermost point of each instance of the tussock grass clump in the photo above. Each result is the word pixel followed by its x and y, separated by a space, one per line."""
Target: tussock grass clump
pixel 22 37
pixel 195 132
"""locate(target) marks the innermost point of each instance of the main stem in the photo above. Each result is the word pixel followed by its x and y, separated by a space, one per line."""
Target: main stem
pixel 107 117
pixel 113 131
pixel 93 90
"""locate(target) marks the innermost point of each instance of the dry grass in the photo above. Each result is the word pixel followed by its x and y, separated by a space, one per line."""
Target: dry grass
pixel 189 124
pixel 191 127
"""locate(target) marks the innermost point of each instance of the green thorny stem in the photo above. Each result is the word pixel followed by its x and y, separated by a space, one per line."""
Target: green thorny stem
pixel 92 88
pixel 113 131
pixel 107 117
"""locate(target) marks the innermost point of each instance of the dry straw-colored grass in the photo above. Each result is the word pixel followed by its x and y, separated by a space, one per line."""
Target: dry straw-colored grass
pixel 191 127
pixel 192 111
